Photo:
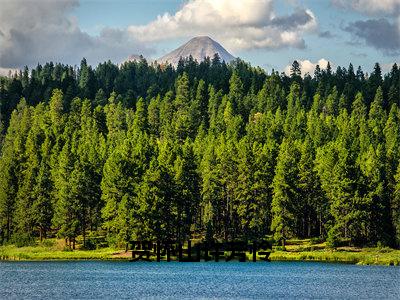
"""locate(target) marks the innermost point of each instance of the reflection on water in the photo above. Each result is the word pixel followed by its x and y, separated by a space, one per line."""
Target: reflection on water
pixel 96 279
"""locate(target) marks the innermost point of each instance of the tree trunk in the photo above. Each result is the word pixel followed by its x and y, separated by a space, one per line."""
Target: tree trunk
pixel 8 228
pixel 320 224
pixel 84 237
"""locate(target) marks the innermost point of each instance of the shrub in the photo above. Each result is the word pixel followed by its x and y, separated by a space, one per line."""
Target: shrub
pixel 280 248
pixel 333 240
pixel 22 240
pixel 90 243
pixel 67 249
pixel 316 240
pixel 48 243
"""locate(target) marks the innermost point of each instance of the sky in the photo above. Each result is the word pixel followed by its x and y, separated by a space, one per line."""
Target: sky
pixel 266 33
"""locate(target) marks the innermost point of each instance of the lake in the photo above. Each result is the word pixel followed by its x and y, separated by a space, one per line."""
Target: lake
pixel 261 280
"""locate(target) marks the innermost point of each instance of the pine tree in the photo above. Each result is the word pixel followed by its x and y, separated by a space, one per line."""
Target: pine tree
pixel 314 206
pixel 30 168
pixel 157 203
pixel 65 210
pixel 10 163
pixel 42 208
pixel 182 121
pixel 87 82
pixel 187 190
pixel 252 192
pixel 153 116
pixel 285 192
pixel 395 209
pixel 212 192
pixel 236 94
pixel 122 174
pixel 295 71
pixel 100 98
pixel 200 105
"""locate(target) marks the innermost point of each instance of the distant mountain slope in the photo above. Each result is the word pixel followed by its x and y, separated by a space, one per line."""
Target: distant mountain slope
pixel 199 47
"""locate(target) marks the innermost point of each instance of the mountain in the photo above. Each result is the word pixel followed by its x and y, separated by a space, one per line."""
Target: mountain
pixel 135 57
pixel 199 47
pixel 138 58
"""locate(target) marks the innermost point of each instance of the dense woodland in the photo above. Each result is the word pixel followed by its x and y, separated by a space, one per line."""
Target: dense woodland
pixel 206 150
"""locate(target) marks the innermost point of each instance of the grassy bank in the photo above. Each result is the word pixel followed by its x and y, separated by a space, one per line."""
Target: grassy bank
pixel 48 253
pixel 305 250
pixel 364 257
pixel 297 251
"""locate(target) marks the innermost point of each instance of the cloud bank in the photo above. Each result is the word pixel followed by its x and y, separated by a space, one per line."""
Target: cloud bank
pixel 381 32
pixel 378 33
pixel 371 7
pixel 34 32
pixel 240 25
pixel 308 67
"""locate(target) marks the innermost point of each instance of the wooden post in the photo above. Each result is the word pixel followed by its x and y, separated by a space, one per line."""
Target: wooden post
pixel 254 251
pixel 180 255
pixel 216 254
pixel 198 252
pixel 168 252
pixel 206 257
pixel 189 250
pixel 158 251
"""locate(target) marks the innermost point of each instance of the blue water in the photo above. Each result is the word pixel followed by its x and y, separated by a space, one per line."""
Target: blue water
pixel 276 280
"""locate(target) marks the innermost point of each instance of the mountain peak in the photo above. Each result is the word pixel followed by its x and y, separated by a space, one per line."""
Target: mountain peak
pixel 198 47
pixel 202 38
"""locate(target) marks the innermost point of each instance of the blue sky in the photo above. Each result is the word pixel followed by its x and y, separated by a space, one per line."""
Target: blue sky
pixel 267 33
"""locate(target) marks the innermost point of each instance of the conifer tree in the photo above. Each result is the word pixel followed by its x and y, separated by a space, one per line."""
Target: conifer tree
pixel 285 192
pixel 157 203
pixel 236 94
pixel 10 163
pixel 187 190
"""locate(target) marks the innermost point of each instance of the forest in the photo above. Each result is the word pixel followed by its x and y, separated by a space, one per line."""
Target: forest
pixel 210 150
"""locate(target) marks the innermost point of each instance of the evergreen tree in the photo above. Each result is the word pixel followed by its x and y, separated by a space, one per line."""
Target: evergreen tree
pixel 157 203
pixel 11 165
pixel 285 192
pixel 187 190
pixel 235 153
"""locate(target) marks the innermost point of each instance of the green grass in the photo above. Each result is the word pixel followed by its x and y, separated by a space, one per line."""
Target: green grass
pixel 364 256
pixel 52 251
pixel 295 251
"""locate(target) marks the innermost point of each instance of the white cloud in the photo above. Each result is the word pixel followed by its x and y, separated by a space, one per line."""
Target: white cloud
pixel 371 7
pixel 6 71
pixel 308 67
pixel 39 31
pixel 387 67
pixel 245 24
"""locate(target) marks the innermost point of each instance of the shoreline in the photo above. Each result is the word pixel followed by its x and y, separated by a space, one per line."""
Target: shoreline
pixel 369 256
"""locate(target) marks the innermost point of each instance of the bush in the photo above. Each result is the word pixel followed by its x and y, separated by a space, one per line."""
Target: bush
pixel 22 240
pixel 332 241
pixel 316 240
pixel 48 243
pixel 90 243
pixel 280 248
pixel 270 240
